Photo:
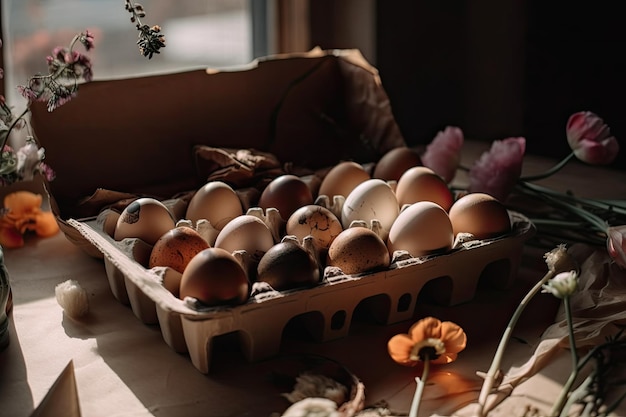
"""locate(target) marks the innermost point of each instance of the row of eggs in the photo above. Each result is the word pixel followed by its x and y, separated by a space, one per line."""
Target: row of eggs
pixel 367 222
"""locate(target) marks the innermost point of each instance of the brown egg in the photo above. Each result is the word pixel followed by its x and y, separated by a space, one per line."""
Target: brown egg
pixel 342 179
pixel 421 229
pixel 287 265
pixel 215 277
pixel 480 215
pixel 395 162
pixel 423 184
pixel 146 219
pixel 216 202
pixel 316 221
pixel 176 248
pixel 358 250
pixel 286 193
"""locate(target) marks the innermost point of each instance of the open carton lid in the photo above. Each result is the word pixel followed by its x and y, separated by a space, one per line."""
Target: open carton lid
pixel 139 136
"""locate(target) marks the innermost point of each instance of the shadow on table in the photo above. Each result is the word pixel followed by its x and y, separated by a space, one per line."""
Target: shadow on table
pixel 13 378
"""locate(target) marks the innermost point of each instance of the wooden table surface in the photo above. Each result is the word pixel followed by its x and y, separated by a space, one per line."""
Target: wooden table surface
pixel 123 367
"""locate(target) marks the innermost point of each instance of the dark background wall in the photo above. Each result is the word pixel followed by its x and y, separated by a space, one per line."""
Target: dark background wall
pixel 494 68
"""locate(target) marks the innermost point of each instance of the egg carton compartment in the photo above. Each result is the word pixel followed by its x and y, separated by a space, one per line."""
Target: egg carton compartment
pixel 325 310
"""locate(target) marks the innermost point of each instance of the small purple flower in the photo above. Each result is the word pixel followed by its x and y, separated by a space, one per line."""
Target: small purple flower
pixel 87 39
pixel 27 92
pixel 498 169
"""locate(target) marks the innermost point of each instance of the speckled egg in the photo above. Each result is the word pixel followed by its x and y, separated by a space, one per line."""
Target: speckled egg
pixel 176 248
pixel 316 221
pixel 358 250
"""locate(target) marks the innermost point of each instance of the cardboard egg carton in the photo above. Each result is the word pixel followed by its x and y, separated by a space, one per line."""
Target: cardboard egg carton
pixel 309 111
pixel 326 310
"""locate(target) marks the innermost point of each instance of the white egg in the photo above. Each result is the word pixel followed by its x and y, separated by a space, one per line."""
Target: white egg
pixel 245 232
pixel 421 229
pixel 373 199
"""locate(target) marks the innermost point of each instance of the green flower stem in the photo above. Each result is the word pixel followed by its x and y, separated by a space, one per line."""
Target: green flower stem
pixel 557 408
pixel 614 206
pixel 497 358
pixel 419 390
pixel 595 220
pixel 551 171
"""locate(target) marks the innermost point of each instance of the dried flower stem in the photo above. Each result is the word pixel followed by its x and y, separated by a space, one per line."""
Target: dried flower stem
pixel 551 171
pixel 557 408
pixel 497 359
pixel 419 390
pixel 48 80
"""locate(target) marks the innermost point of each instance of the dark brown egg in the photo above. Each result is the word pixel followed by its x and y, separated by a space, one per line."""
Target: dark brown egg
pixel 287 265
pixel 215 277
pixel 286 193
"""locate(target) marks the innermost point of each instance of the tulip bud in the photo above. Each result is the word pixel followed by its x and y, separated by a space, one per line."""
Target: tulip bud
pixel 591 139
pixel 616 245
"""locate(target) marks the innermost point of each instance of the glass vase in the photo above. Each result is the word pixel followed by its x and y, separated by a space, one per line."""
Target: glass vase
pixel 5 302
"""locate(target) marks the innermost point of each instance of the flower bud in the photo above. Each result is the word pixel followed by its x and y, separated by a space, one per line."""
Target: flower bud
pixel 559 260
pixel 562 285
pixel 591 139
pixel 616 244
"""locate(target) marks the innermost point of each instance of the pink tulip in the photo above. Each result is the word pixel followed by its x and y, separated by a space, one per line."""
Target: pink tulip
pixel 591 139
pixel 616 244
pixel 498 169
pixel 443 154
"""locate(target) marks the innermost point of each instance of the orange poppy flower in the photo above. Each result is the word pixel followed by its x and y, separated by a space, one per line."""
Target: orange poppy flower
pixel 21 214
pixel 429 338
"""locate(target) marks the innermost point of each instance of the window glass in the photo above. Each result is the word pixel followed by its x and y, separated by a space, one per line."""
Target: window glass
pixel 211 33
